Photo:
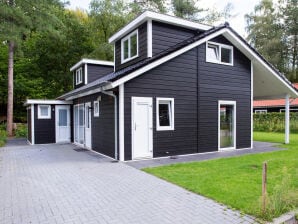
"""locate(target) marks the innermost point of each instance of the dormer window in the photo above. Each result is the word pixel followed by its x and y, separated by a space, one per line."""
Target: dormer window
pixel 219 53
pixel 79 76
pixel 129 47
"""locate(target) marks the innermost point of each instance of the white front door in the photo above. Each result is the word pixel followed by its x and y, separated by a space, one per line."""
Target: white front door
pixel 88 125
pixel 62 123
pixel 141 127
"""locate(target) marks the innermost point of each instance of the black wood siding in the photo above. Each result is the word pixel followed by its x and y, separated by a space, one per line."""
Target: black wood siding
pixel 29 134
pixel 175 79
pixel 44 129
pixel 98 71
pixel 165 36
pixel 223 82
pixel 83 77
pixel 142 38
pixel 102 128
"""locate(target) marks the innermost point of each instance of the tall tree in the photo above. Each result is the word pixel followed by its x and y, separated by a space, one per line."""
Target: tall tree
pixel 18 18
pixel 186 9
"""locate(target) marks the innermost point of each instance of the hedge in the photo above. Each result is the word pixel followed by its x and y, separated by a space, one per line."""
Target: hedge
pixel 275 122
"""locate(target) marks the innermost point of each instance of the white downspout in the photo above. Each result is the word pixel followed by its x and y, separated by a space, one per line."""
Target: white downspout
pixel 110 93
pixel 287 120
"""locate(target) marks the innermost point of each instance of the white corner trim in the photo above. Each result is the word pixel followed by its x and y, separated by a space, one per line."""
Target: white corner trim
pixel 157 17
pixel 251 103
pixel 164 59
pixel 287 119
pixel 114 56
pixel 86 74
pixel 172 115
pixel 149 38
pixel 254 56
pixel 91 61
pixel 227 102
pixel 32 125
pixel 121 122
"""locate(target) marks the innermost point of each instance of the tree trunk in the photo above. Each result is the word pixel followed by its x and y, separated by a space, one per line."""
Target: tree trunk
pixel 9 127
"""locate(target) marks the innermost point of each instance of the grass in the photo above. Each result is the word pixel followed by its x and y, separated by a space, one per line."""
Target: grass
pixel 237 181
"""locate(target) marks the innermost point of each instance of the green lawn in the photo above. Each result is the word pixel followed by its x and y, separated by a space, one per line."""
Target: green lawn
pixel 237 181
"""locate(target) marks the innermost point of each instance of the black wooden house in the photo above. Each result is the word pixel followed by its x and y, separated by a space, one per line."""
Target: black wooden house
pixel 176 87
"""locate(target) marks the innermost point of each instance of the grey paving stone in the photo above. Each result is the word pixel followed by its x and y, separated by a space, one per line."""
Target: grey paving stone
pixel 56 184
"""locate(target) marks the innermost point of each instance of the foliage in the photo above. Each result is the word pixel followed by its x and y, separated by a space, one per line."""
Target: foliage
pixel 275 122
pixel 237 181
pixel 273 31
pixel 3 135
pixel 21 131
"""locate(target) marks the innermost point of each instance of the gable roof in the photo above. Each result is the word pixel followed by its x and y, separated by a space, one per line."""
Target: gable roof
pixel 121 76
pixel 91 61
pixel 148 15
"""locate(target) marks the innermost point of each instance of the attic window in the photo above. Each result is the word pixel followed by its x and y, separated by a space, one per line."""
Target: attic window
pixel 129 47
pixel 79 76
pixel 219 53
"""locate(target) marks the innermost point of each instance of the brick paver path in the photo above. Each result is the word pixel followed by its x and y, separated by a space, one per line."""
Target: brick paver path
pixel 56 184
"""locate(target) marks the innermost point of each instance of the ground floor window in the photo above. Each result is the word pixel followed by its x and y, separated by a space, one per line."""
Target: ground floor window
pixel 227 124
pixel 79 123
pixel 164 114
pixel 44 111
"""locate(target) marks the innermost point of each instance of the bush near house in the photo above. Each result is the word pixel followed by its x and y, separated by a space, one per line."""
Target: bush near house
pixel 19 132
pixel 2 135
pixel 275 122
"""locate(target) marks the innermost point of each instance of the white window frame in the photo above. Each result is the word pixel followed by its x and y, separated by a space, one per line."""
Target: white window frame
pixel 96 112
pixel 172 114
pixel 128 37
pixel 79 76
pixel 40 116
pixel 264 111
pixel 233 103
pixel 220 46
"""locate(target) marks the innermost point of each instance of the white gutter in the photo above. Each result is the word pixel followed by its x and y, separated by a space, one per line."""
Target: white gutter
pixel 110 93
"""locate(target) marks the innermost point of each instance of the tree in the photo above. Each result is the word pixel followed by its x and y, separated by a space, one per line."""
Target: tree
pixel 18 18
pixel 186 9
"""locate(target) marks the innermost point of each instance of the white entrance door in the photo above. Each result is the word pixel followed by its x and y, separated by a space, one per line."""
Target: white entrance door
pixel 88 125
pixel 62 123
pixel 141 127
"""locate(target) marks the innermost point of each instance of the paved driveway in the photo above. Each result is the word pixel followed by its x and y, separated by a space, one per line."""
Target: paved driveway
pixel 56 184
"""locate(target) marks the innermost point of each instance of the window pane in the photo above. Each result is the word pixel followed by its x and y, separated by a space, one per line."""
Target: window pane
pixel 164 114
pixel 226 126
pixel 226 55
pixel 62 117
pixel 44 111
pixel 212 52
pixel 133 45
pixel 125 49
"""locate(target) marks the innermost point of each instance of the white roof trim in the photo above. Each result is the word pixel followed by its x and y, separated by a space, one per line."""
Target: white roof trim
pixel 147 15
pixel 229 35
pixel 57 102
pixel 164 59
pixel 91 61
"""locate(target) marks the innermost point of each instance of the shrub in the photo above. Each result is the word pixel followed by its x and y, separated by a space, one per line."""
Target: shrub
pixel 3 136
pixel 21 131
pixel 275 122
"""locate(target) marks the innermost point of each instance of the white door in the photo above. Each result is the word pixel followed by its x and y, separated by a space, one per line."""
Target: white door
pixel 62 123
pixel 88 125
pixel 141 127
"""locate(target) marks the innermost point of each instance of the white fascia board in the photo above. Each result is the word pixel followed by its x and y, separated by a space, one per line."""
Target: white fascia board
pixel 254 57
pixel 164 59
pixel 57 102
pixel 91 61
pixel 160 18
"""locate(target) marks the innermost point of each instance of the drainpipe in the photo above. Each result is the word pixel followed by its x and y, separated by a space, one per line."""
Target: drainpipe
pixel 110 93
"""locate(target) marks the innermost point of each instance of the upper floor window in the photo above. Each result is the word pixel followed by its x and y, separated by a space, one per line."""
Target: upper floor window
pixel 219 53
pixel 79 76
pixel 129 47
pixel 44 111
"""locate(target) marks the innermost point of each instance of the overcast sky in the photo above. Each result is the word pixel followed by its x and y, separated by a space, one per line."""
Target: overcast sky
pixel 240 8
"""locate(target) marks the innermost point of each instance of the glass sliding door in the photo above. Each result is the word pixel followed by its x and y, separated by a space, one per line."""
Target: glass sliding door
pixel 227 125
pixel 79 123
